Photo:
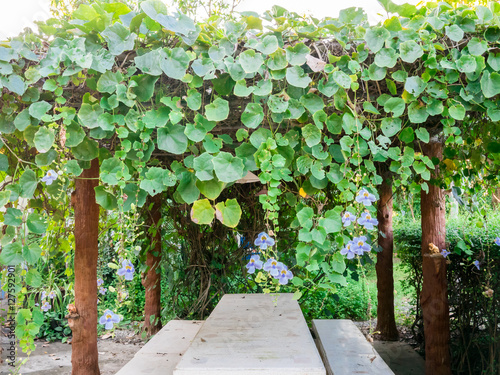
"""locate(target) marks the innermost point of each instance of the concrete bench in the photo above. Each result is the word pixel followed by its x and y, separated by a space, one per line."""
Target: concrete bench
pixel 345 351
pixel 164 351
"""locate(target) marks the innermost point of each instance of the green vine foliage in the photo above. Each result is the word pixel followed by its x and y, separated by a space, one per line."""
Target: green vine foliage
pixel 304 104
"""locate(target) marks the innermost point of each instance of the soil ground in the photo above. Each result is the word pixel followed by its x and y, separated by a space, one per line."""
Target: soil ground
pixel 55 358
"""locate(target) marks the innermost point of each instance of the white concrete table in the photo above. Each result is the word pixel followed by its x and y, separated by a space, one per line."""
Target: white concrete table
pixel 249 334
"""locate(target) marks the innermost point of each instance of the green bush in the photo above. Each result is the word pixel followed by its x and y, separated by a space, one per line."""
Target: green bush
pixel 475 336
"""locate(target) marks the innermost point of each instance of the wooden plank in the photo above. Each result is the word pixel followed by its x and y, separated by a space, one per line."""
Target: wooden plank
pixel 249 334
pixel 345 350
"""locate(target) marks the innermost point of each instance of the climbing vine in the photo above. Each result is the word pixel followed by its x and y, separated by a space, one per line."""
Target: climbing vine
pixel 299 103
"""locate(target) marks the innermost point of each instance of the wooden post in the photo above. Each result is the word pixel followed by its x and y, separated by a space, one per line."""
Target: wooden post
pixel 434 295
pixel 151 279
pixel 386 323
pixel 83 316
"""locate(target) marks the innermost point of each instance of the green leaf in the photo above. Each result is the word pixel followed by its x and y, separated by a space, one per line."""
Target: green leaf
pixel 202 212
pixel 227 167
pixel 494 60
pixel 13 217
pixel 422 134
pixel 172 139
pixel 22 120
pixel 224 84
pixel 312 102
pixel 33 278
pixel 263 87
pixel 4 163
pixel 195 132
pixel 218 110
pixel 88 115
pixel 253 115
pixel 415 85
pixel 73 168
pixel 28 183
pixel 4 197
pixel 44 139
pixel 407 135
pixel 332 221
pixel 187 188
pixel 42 160
pixel 193 99
pixel 395 105
pixel 296 55
pixel 490 84
pixel 144 89
pixel 268 45
pixel 87 150
pixel 454 32
pixel 155 180
pixel 457 112
pixel 466 64
pixel 205 66
pixel 109 169
pixel 38 109
pixel 204 167
pixel 211 188
pixel 251 61
pixel 417 113
pixel 386 57
pixel 175 63
pixel 105 199
pixel 311 134
pixel 338 263
pixel 32 252
pixel 305 216
pixel 277 60
pixel 241 89
pixel 341 79
pixel 15 84
pixel 296 76
pixel 477 46
pixel 410 51
pixel 11 254
pixel 228 213
pixel 119 38
pixel 36 223
pixel 391 126
pixel 277 103
pixel 150 63
pixel 375 38
pixel 74 135
pixel 108 81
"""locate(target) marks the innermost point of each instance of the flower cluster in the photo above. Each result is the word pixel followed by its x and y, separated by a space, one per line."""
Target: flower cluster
pixel 359 245
pixel 276 269
pixel 46 305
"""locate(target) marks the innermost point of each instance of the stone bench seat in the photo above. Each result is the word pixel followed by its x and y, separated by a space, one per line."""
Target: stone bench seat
pixel 344 349
pixel 163 352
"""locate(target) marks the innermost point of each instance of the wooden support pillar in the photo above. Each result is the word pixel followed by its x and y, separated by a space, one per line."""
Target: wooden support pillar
pixel 386 323
pixel 83 320
pixel 434 295
pixel 151 279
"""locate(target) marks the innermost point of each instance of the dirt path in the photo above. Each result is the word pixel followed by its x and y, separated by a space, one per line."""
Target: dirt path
pixel 55 358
